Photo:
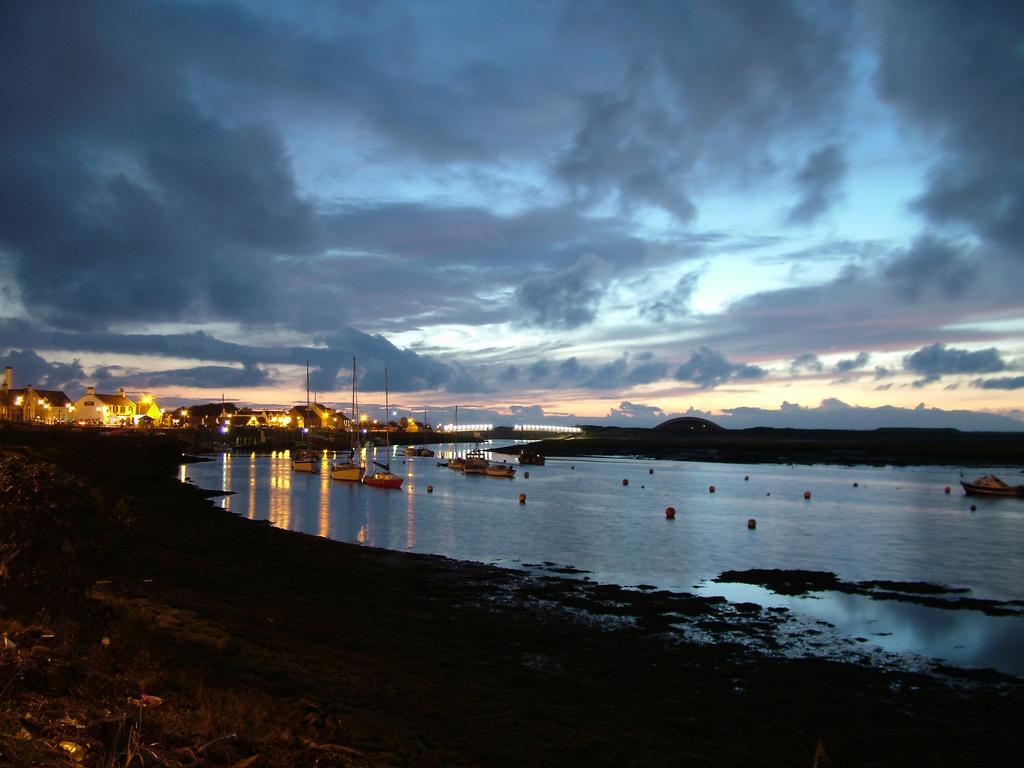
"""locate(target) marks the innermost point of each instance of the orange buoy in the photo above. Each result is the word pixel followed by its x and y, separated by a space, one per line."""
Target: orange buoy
pixel 807 494
pixel 430 489
pixel 670 513
pixel 751 523
pixel 625 481
pixel 711 489
pixel 522 498
pixel 947 489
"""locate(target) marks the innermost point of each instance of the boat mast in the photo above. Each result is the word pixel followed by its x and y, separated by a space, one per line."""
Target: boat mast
pixel 387 416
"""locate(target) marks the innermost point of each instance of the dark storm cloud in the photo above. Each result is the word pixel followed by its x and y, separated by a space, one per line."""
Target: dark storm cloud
pixel 209 376
pixel 955 70
pixel 852 363
pixel 647 138
pixel 565 299
pixel 932 268
pixel 330 358
pixel 808 361
pixel 708 368
pixel 937 359
pixel 29 368
pixel 818 182
pixel 674 302
pixel 1015 382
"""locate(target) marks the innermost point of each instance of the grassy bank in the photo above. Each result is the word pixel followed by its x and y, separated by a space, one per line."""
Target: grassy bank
pixel 144 626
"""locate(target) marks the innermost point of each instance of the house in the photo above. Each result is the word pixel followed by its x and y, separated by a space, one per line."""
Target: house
pixel 108 410
pixel 46 406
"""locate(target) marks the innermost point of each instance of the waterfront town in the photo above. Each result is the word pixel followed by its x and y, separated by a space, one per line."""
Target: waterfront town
pixel 53 407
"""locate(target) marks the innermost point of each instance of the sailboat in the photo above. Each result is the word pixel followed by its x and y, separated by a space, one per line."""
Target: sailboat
pixel 457 462
pixel 306 459
pixel 383 477
pixel 351 469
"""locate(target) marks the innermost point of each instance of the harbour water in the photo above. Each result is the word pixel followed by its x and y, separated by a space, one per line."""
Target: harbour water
pixel 604 519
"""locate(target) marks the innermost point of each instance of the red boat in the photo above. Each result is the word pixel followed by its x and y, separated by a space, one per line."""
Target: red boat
pixel 383 479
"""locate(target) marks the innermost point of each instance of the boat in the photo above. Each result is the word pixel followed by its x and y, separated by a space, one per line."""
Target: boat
pixel 475 463
pixel 500 470
pixel 531 457
pixel 383 477
pixel 425 452
pixel 350 470
pixel 305 458
pixel 990 485
pixel 456 463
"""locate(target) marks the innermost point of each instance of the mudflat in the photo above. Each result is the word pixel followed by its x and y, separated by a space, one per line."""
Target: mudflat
pixel 186 636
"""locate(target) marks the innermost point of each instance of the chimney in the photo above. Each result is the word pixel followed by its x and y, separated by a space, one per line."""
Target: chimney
pixel 90 390
pixel 120 392
pixel 7 377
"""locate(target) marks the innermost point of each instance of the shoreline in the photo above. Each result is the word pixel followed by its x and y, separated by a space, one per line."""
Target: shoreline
pixel 316 650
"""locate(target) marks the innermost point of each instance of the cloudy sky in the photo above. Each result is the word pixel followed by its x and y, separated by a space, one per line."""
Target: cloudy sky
pixel 573 211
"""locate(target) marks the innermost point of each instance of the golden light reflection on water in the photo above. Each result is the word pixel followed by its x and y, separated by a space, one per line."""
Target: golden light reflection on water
pixel 252 486
pixel 279 510
pixel 410 505
pixel 324 527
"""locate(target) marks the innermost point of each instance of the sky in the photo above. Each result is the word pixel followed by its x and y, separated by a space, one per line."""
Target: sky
pixel 760 211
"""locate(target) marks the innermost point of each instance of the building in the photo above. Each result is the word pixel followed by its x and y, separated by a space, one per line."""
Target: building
pixel 108 410
pixel 40 406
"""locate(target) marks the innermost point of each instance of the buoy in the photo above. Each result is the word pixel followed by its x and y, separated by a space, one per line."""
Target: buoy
pixel 670 513
pixel 522 498
pixel 807 494
pixel 430 489
pixel 526 475
pixel 751 523
pixel 855 485
pixel 711 489
pixel 625 481
pixel 947 489
pixel 974 508
pixel 650 471
pixel 768 494
pixel 746 477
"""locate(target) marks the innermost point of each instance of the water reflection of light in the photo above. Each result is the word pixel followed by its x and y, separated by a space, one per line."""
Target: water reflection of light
pixel 325 500
pixel 410 517
pixel 225 479
pixel 252 486
pixel 182 473
pixel 279 512
pixel 361 534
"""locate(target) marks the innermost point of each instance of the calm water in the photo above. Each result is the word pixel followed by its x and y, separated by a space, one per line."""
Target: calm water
pixel 861 523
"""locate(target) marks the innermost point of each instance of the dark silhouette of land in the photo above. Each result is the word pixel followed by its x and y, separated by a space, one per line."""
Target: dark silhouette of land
pixel 799 446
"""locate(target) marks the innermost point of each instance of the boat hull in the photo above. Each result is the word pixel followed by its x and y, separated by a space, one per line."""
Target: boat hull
pixel 383 480
pixel 985 490
pixel 347 472
pixel 306 466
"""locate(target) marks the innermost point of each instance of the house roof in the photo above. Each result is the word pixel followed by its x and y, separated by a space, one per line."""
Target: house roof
pixel 54 397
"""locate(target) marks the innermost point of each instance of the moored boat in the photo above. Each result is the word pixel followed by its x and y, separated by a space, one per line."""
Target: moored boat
pixel 531 457
pixel 457 463
pixel 476 464
pixel 351 471
pixel 384 477
pixel 500 470
pixel 990 485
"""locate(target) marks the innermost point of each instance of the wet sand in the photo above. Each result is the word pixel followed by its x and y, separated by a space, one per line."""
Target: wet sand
pixel 265 647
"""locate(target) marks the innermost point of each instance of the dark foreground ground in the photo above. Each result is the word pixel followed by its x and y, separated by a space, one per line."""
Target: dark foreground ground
pixel 143 626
